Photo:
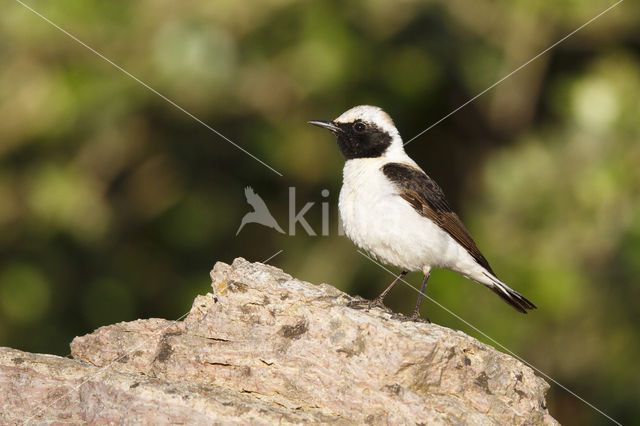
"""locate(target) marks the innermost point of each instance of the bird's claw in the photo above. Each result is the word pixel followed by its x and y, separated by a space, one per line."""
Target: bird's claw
pixel 366 304
pixel 415 317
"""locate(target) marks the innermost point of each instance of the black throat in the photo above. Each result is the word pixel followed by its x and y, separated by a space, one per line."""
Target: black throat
pixel 371 142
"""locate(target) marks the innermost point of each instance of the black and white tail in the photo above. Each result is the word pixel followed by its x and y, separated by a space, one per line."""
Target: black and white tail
pixel 512 297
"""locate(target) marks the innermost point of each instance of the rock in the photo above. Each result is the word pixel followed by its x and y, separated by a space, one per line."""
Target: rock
pixel 265 348
pixel 44 389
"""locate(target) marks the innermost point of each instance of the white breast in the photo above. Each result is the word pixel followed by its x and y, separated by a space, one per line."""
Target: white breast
pixel 379 221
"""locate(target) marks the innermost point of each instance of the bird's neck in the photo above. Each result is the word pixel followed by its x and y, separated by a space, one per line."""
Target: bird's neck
pixel 356 167
pixel 396 153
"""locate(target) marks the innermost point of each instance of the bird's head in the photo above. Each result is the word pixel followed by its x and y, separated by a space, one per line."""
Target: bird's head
pixel 364 132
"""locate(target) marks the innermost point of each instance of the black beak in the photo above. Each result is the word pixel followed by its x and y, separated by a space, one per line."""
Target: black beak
pixel 329 125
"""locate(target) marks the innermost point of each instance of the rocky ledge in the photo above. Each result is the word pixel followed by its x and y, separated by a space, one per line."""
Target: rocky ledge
pixel 266 348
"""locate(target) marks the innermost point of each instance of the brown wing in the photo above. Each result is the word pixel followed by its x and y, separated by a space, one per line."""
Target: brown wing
pixel 427 198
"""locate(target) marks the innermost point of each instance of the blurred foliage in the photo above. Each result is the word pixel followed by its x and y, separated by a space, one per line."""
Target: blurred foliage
pixel 114 204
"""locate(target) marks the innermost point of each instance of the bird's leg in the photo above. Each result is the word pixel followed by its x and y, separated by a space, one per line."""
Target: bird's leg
pixel 378 300
pixel 416 312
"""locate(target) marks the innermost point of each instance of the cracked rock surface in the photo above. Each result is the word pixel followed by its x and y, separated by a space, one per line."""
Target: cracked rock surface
pixel 266 348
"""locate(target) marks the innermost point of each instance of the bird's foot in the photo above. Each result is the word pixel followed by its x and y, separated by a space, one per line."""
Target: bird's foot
pixel 361 303
pixel 398 316
pixel 415 317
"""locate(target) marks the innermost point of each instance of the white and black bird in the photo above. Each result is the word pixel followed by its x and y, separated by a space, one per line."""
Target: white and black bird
pixel 393 210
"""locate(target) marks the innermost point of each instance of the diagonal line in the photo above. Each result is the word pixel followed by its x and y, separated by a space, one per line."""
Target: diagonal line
pixel 493 340
pixel 513 72
pixel 102 369
pixel 96 373
pixel 272 256
pixel 149 88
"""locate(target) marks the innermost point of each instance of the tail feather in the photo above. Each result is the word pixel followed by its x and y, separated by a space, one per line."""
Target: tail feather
pixel 512 297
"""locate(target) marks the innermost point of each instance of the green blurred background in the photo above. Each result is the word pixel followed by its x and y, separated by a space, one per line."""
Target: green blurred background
pixel 114 205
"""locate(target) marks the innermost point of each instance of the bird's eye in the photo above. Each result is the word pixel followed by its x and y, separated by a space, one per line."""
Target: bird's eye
pixel 359 126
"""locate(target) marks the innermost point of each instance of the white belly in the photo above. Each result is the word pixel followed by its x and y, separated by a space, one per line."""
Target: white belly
pixel 379 221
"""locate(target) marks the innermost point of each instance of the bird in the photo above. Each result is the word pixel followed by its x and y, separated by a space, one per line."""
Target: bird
pixel 260 213
pixel 394 211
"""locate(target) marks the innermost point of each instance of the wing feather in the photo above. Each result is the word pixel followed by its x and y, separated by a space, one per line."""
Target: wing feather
pixel 426 197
